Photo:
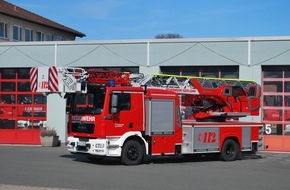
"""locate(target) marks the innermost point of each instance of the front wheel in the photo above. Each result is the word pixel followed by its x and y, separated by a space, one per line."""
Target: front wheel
pixel 230 150
pixel 132 153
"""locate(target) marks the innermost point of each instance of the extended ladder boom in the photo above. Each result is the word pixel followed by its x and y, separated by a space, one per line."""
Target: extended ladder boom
pixel 211 99
pixel 208 97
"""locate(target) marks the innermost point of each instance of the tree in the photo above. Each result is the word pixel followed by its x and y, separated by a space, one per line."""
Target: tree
pixel 168 35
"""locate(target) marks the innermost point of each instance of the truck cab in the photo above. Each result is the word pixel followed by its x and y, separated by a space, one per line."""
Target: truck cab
pixel 106 120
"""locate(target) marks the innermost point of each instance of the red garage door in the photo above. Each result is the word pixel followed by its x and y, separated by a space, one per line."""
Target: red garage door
pixel 22 112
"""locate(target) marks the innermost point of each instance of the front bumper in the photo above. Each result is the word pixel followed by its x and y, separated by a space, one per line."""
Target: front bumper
pixel 98 147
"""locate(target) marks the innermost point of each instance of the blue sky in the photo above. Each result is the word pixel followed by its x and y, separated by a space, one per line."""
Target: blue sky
pixel 144 19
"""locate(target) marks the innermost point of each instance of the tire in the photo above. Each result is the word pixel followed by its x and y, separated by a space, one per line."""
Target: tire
pixel 230 150
pixel 132 153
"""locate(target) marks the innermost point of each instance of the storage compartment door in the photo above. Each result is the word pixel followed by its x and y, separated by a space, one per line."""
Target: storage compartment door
pixel 159 117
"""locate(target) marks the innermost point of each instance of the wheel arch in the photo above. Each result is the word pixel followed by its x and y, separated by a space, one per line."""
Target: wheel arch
pixel 136 136
pixel 235 138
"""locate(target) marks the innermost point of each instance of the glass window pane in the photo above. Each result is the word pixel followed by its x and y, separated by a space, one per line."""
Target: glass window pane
pixel 230 72
pixel 287 87
pixel 24 124
pixel 8 86
pixel 210 72
pixel 2 30
pixel 8 99
pixel 190 71
pixel 171 70
pixel 49 37
pixel 59 38
pixel 287 72
pixel 38 36
pixel 23 86
pixel 132 69
pixel 39 99
pixel 273 100
pixel 38 124
pixel 7 124
pixel 287 101
pixel 275 86
pixel 17 33
pixel 287 129
pixel 24 99
pixel 8 73
pixel 124 101
pixel 28 35
pixel 272 72
pixel 23 73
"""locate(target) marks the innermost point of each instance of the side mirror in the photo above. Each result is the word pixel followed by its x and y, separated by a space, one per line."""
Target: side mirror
pixel 114 104
pixel 114 110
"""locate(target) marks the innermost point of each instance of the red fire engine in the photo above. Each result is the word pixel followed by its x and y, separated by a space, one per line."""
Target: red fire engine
pixel 132 116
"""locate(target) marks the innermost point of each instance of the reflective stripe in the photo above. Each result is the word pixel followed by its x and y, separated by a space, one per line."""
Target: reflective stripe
pixel 53 79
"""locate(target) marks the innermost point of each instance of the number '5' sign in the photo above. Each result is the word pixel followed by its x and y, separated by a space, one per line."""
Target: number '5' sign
pixel 268 129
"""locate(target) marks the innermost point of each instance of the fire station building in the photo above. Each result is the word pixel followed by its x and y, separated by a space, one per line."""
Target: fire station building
pixel 265 60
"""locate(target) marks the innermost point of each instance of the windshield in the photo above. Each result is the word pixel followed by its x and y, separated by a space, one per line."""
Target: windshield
pixel 90 103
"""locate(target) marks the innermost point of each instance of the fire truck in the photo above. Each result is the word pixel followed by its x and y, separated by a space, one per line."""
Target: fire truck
pixel 133 116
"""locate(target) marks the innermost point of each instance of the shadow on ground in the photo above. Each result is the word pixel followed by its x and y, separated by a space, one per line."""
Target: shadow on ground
pixel 155 159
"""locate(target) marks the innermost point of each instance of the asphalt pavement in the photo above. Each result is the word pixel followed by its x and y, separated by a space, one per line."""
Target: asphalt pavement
pixel 51 168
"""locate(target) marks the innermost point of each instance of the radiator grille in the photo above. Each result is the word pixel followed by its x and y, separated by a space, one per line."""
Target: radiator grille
pixel 83 128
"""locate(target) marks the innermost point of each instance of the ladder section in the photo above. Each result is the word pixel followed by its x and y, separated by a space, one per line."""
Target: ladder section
pixel 189 84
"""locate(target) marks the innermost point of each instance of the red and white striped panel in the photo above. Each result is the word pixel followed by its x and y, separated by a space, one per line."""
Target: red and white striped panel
pixel 53 79
pixel 33 79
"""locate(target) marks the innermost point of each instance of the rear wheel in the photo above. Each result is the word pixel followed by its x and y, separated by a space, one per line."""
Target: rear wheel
pixel 230 150
pixel 132 153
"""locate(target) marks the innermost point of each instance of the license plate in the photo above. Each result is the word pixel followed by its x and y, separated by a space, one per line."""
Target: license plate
pixel 81 143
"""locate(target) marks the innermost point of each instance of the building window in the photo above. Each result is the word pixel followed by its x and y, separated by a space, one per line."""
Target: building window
pixel 17 33
pixel 206 71
pixel 49 37
pixel 276 99
pixel 28 35
pixel 39 36
pixel 3 30
pixel 59 38
pixel 120 69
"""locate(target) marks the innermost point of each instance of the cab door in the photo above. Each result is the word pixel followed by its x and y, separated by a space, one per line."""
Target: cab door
pixel 129 113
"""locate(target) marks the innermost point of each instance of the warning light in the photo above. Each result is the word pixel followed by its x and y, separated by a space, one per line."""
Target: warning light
pixel 111 83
